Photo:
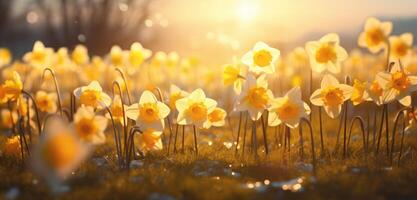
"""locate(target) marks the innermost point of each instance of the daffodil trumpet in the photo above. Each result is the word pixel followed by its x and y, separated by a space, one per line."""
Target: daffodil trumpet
pixel 362 128
pixel 58 94
pixel 38 121
pixel 125 128
pixel 313 151
pixel 400 115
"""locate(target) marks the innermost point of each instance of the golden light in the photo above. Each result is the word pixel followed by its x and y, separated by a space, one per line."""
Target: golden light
pixel 247 10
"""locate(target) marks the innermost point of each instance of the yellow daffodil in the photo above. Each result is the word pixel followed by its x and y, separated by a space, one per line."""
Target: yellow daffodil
pixel 215 118
pixel 89 127
pixel 194 108
pixel 159 59
pixel 46 102
pixel 255 96
pixel 172 59
pixel 6 118
pixel 13 87
pixel 92 95
pixel 12 146
pixel 5 57
pixel 261 59
pixel 150 140
pixel 298 58
pixel 116 110
pixel 40 56
pixel 232 75
pixel 138 54
pixel 376 92
pixel 80 55
pixel 401 45
pixel 375 35
pixel 288 109
pixel 59 151
pixel 326 54
pixel 331 95
pixel 149 112
pixel 22 107
pixel 359 93
pixel 117 56
pixel 397 84
pixel 175 93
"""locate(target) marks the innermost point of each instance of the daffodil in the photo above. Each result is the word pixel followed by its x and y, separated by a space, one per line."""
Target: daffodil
pixel 255 96
pixel 376 92
pixel 194 108
pixel 149 112
pixel 116 109
pixel 175 93
pixel 46 102
pixel 359 93
pixel 12 146
pixel 298 58
pixel 159 59
pixel 150 140
pixel 326 54
pixel 80 55
pixel 375 35
pixel 59 151
pixel 92 95
pixel 331 95
pixel 3 96
pixel 232 75
pixel 288 109
pixel 40 56
pixel 90 127
pixel 138 54
pixel 23 105
pixel 6 118
pixel 172 59
pixel 215 118
pixel 261 59
pixel 397 84
pixel 5 57
pixel 401 45
pixel 117 56
pixel 13 87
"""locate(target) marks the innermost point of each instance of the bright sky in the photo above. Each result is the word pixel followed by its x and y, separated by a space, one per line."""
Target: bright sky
pixel 266 18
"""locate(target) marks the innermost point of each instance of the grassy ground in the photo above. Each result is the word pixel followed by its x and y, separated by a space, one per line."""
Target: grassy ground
pixel 216 173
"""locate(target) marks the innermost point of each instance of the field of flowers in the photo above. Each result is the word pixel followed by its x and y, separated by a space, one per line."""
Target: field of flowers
pixel 314 123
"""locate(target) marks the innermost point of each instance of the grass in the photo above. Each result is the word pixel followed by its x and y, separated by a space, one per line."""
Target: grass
pixel 216 173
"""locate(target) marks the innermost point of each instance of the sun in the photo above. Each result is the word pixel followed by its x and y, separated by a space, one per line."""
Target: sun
pixel 247 10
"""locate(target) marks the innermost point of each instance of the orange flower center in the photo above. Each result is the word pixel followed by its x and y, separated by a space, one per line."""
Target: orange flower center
pixel 148 112
pixel 288 111
pixel 374 37
pixel 325 54
pixel 216 116
pixel 86 128
pixel 60 150
pixel 257 97
pixel 90 98
pixel 262 58
pixel 332 96
pixel 400 81
pixel 197 111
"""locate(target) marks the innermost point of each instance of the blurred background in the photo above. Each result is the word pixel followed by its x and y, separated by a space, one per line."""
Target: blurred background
pixel 213 30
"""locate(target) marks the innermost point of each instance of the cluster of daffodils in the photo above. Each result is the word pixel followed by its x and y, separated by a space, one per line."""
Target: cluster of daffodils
pixel 42 104
pixel 249 79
